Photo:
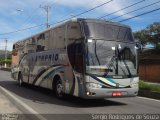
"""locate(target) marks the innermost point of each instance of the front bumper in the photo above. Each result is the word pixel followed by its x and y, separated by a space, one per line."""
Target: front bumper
pixel 100 93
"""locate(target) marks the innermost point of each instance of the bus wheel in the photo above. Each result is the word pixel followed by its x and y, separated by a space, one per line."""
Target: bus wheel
pixel 59 88
pixel 20 80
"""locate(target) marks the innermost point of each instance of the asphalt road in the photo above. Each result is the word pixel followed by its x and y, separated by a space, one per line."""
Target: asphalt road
pixel 44 102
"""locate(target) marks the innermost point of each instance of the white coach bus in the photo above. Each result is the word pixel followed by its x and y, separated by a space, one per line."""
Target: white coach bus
pixel 87 58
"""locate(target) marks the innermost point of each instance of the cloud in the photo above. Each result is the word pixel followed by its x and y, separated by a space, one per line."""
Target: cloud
pixel 12 38
pixel 32 15
pixel 106 9
pixel 9 45
pixel 111 7
pixel 6 27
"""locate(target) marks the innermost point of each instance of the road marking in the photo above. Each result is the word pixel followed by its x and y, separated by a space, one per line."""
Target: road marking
pixel 40 117
pixel 149 99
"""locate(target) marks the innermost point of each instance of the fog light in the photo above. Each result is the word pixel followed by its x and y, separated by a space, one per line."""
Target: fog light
pixel 88 93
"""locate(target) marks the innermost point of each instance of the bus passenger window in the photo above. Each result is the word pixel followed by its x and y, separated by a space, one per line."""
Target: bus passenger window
pixel 43 58
pixel 50 57
pixel 74 32
pixel 32 59
pixel 75 56
pixel 39 57
pixel 74 46
pixel 53 57
pixel 36 59
pixel 78 57
pixel 46 57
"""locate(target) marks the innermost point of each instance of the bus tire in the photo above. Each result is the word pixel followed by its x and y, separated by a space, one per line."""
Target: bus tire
pixel 20 80
pixel 59 88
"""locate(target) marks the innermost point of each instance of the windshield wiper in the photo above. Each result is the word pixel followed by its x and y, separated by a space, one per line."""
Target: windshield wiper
pixel 130 75
pixel 118 55
pixel 95 50
pixel 110 65
pixel 116 58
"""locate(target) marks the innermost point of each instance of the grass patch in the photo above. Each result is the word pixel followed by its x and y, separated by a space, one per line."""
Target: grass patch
pixel 152 87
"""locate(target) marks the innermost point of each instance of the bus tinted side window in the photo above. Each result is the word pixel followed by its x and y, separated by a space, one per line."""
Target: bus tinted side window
pixel 73 32
pixel 57 38
pixel 74 46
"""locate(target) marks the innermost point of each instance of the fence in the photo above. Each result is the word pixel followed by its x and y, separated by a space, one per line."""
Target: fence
pixel 149 72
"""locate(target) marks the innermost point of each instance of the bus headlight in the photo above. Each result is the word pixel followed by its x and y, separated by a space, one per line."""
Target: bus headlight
pixel 135 85
pixel 94 85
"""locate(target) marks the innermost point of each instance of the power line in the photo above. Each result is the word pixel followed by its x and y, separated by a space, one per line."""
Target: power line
pixel 61 20
pixel 31 16
pixel 23 29
pixel 121 9
pixel 29 19
pixel 46 8
pixel 140 15
pixel 81 14
pixel 71 13
pixel 84 12
pixel 134 10
pixel 92 8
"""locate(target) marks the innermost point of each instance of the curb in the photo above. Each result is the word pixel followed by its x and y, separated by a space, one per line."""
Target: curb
pixel 6 69
pixel 149 94
pixel 28 112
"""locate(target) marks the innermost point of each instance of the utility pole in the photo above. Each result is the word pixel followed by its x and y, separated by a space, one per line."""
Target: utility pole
pixel 46 8
pixel 5 65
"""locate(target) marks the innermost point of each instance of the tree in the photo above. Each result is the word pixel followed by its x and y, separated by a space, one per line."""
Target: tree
pixel 3 61
pixel 149 35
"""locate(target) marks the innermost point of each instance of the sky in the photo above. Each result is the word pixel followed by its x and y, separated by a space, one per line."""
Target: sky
pixel 21 14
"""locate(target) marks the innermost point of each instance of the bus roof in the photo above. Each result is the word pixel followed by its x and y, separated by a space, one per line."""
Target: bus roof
pixel 76 20
pixel 101 21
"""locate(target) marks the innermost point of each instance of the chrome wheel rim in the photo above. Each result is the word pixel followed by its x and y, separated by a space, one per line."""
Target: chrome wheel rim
pixel 59 90
pixel 20 81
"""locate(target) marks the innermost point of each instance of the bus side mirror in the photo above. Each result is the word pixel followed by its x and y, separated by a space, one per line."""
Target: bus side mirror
pixel 139 46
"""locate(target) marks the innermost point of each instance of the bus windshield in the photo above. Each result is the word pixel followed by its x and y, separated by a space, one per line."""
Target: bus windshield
pixel 108 31
pixel 109 55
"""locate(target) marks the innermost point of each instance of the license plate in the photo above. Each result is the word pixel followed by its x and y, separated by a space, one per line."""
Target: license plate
pixel 116 94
